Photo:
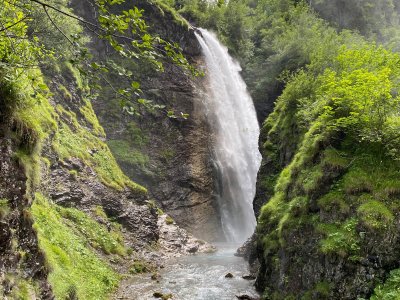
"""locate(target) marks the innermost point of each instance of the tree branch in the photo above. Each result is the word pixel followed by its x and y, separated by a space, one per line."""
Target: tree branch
pixel 81 20
pixel 12 25
pixel 55 25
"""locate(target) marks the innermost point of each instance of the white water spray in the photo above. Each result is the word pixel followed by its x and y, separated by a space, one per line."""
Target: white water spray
pixel 230 111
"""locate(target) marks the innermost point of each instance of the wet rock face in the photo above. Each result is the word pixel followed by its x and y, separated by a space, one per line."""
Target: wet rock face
pixel 16 233
pixel 302 267
pixel 170 157
pixel 182 183
pixel 250 253
pixel 85 192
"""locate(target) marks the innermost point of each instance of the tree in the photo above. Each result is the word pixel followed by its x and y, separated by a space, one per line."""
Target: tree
pixel 32 31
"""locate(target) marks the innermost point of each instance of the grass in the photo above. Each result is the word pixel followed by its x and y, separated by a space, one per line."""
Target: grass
pixel 357 181
pixel 72 261
pixel 109 241
pixel 341 238
pixel 22 289
pixel 375 214
pixel 139 267
pixel 334 159
pixel 135 135
pixel 166 7
pixel 64 92
pixel 91 118
pixel 390 289
pixel 99 211
pixel 311 178
pixel 334 202
pixel 75 141
pixel 34 121
pixel 69 69
pixel 124 153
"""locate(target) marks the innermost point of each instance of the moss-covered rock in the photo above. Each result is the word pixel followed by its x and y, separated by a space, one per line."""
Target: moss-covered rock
pixel 329 228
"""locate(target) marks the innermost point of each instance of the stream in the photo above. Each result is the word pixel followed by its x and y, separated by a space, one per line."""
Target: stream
pixel 197 277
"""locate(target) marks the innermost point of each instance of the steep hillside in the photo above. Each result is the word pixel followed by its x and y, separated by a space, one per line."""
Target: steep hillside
pixel 327 198
pixel 331 227
pixel 67 210
pixel 169 155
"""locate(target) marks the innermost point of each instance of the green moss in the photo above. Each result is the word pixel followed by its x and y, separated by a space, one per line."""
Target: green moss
pixel 99 237
pixel 375 214
pixel 169 220
pixel 91 118
pixel 341 239
pixel 139 267
pixel 75 141
pixel 66 245
pixel 4 208
pixel 124 153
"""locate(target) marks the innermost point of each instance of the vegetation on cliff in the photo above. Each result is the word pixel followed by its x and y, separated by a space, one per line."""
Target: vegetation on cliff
pixel 329 185
pixel 329 179
pixel 46 109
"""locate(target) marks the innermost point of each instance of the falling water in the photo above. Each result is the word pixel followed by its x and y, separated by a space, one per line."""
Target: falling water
pixel 230 111
pixel 232 116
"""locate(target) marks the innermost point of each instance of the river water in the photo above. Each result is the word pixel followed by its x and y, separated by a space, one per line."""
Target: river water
pixel 198 277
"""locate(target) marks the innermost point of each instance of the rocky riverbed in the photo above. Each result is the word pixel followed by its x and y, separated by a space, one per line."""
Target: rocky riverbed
pixel 195 277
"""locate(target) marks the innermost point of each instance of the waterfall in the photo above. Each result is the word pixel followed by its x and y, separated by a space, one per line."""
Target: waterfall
pixel 232 117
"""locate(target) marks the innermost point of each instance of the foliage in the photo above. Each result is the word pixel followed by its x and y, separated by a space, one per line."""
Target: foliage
pixel 390 289
pixel 55 34
pixel 139 267
pixel 68 253
pixel 341 239
pixel 75 141
pixel 91 118
pixel 124 153
pixel 99 237
pixel 330 145
pixel 377 19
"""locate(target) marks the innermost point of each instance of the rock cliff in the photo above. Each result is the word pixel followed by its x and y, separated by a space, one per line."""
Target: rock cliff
pixel 169 156
pixel 67 210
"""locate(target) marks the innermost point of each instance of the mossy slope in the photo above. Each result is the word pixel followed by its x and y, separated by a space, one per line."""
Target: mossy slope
pixel 47 120
pixel 335 205
pixel 69 239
